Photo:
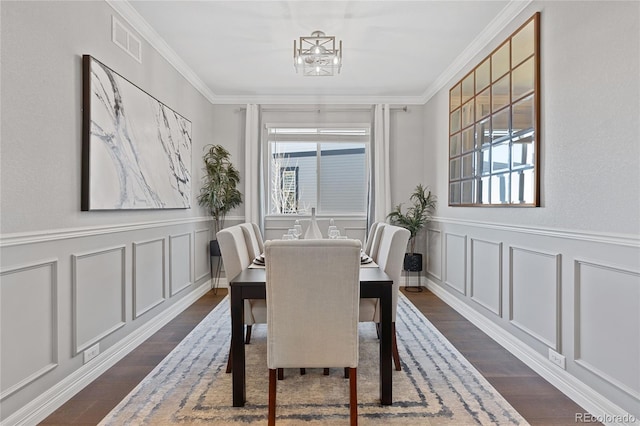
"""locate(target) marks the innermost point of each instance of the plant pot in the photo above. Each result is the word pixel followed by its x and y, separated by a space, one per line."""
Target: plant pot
pixel 214 248
pixel 413 262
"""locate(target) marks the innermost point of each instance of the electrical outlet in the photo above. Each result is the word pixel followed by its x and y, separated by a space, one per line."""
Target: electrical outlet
pixel 91 353
pixel 557 359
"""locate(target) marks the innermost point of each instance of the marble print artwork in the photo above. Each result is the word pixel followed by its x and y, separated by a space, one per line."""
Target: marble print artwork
pixel 139 149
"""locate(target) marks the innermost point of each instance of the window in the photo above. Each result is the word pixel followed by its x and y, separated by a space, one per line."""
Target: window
pixel 325 168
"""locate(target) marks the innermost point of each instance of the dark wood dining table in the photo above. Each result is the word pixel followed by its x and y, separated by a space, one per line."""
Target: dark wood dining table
pixel 250 284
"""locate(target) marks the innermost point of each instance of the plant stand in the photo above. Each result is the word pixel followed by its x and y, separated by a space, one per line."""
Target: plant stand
pixel 214 251
pixel 412 263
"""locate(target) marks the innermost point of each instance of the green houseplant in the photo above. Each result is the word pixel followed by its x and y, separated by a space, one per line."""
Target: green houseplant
pixel 219 193
pixel 414 219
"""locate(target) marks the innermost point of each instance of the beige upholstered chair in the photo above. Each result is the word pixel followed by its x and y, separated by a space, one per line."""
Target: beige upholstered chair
pixel 368 306
pixel 369 242
pixel 253 239
pixel 313 293
pixel 390 257
pixel 235 257
pixel 257 309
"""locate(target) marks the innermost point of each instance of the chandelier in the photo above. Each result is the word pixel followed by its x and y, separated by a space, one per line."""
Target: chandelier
pixel 317 55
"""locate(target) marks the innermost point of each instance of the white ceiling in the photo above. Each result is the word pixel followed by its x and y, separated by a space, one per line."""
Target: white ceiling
pixel 393 51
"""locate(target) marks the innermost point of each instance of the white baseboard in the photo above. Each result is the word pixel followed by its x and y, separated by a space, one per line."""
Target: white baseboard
pixel 46 403
pixel 583 395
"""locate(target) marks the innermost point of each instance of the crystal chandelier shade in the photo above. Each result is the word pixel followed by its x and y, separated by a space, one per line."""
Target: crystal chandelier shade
pixel 317 55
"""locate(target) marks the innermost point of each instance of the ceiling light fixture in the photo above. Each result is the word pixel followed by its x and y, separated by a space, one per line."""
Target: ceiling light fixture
pixel 317 55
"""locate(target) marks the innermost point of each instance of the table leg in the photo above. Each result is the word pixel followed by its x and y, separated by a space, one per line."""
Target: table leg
pixel 385 347
pixel 237 348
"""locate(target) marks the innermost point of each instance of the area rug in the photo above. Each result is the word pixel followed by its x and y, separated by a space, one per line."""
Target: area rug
pixel 437 385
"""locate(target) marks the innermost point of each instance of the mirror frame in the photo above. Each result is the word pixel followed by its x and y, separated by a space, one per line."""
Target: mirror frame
pixel 474 106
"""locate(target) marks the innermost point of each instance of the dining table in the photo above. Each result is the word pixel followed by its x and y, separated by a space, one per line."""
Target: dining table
pixel 250 284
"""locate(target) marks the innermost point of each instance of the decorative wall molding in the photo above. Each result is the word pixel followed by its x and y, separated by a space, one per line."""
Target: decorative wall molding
pixel 555 263
pixel 629 240
pixel 22 238
pixel 197 236
pixel 618 300
pixel 46 403
pixel 174 270
pixel 460 287
pixel 52 363
pixel 133 18
pixel 463 61
pixel 437 251
pixel 583 395
pixel 137 246
pixel 105 329
pixel 497 264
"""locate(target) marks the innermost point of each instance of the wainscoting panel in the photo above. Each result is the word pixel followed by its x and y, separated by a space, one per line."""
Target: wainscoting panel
pixel 456 262
pixel 98 295
pixel 201 255
pixel 148 275
pixel 28 307
pixel 574 292
pixel 607 343
pixel 486 274
pixel 180 261
pixel 63 291
pixel 535 294
pixel 434 253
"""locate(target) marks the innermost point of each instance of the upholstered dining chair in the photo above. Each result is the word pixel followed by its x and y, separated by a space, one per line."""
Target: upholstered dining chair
pixel 313 293
pixel 389 257
pixel 370 235
pixel 253 238
pixel 235 257
pixel 255 247
pixel 368 306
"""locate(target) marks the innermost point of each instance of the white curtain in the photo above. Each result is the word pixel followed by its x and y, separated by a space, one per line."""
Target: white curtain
pixel 252 199
pixel 380 187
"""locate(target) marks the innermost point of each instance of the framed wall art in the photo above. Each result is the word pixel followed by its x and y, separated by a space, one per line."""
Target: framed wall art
pixel 136 151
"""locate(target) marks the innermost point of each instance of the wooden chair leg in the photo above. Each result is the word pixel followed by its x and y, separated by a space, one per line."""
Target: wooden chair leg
pixel 346 372
pixel 378 329
pixel 229 363
pixel 280 373
pixel 326 372
pixel 394 347
pixel 272 397
pixel 248 338
pixel 303 371
pixel 353 396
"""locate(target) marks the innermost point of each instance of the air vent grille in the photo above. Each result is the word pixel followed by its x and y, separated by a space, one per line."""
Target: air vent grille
pixel 122 37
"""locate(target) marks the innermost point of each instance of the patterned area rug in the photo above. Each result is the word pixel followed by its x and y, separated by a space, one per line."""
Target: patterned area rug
pixel 437 385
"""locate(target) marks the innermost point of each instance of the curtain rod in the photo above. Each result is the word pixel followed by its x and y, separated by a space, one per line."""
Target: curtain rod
pixel 321 109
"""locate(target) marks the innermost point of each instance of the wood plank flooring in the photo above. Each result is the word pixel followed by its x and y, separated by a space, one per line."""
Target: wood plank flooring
pixel 533 397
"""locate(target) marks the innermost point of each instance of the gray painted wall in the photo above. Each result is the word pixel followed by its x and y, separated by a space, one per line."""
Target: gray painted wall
pixel 71 280
pixel 564 276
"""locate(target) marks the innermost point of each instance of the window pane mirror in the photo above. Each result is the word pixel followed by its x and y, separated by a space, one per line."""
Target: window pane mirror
pixel 494 122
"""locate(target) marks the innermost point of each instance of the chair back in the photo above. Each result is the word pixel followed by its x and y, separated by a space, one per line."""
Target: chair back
pixel 234 250
pixel 253 239
pixel 313 293
pixel 390 258
pixel 375 241
pixel 372 231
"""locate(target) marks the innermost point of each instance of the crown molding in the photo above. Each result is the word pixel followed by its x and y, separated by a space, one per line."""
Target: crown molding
pixel 495 27
pixel 317 100
pixel 139 24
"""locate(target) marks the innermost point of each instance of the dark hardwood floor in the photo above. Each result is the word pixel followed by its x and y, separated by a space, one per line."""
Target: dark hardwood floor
pixel 533 397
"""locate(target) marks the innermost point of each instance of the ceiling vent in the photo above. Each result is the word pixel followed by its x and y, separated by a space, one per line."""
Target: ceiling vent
pixel 121 36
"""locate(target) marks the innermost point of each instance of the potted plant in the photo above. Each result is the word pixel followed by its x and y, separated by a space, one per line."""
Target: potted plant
pixel 414 219
pixel 219 193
